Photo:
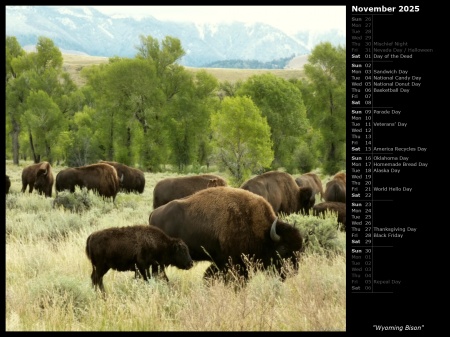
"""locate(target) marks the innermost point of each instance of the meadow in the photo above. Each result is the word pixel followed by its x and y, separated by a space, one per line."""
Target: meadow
pixel 73 64
pixel 48 285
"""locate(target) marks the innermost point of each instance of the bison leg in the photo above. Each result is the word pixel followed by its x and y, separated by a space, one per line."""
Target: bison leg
pixel 97 277
pixel 143 271
pixel 24 187
pixel 158 271
pixel 136 272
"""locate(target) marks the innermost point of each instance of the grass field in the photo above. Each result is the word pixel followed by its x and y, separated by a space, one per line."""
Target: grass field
pixel 48 285
pixel 74 63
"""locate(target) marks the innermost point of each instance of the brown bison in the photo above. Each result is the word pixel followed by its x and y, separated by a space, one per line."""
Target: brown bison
pixel 341 176
pixel 332 206
pixel 38 176
pixel 139 246
pixel 132 179
pixel 281 191
pixel 335 189
pixel 176 188
pixel 312 180
pixel 227 225
pixel 8 184
pixel 101 178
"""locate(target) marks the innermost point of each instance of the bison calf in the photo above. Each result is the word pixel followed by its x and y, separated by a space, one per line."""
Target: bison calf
pixel 143 246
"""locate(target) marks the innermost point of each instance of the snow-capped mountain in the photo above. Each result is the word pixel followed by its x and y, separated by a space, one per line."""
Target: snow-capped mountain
pixel 86 30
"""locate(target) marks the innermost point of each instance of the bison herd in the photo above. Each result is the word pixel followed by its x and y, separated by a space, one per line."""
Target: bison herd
pixel 106 178
pixel 197 218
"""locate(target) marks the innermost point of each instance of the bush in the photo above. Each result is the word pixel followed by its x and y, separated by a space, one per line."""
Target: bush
pixel 76 202
pixel 321 234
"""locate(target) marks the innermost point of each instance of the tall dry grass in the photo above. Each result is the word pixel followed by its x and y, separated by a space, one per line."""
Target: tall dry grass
pixel 48 285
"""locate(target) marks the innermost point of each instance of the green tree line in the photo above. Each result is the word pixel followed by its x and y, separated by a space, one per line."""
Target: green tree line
pixel 251 64
pixel 150 112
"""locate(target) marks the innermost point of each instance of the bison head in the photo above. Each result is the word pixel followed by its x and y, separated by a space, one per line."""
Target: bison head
pixel 288 244
pixel 306 199
pixel 181 255
pixel 41 179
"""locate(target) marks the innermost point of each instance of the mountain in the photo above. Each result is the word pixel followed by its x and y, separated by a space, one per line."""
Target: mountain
pixel 85 30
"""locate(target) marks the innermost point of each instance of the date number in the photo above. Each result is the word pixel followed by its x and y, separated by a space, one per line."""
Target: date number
pixel 408 8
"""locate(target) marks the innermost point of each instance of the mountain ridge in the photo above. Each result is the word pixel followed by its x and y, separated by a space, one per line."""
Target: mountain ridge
pixel 85 30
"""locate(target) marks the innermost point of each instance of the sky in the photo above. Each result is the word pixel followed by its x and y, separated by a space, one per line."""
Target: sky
pixel 289 19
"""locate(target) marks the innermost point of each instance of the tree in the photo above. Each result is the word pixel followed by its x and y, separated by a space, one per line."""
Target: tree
pixel 43 121
pixel 281 103
pixel 189 119
pixel 241 138
pixel 35 73
pixel 15 94
pixel 137 99
pixel 162 57
pixel 325 94
pixel 83 144
pixel 127 99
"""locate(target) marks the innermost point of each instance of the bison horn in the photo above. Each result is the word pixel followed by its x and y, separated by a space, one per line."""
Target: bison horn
pixel 273 232
pixel 121 178
pixel 45 172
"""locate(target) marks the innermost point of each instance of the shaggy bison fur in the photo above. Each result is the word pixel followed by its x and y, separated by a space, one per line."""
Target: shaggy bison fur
pixel 312 180
pixel 332 206
pixel 139 246
pixel 335 189
pixel 100 177
pixel 38 176
pixel 281 191
pixel 131 179
pixel 225 224
pixel 176 188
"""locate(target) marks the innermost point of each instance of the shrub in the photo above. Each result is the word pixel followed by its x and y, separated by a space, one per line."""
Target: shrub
pixel 321 235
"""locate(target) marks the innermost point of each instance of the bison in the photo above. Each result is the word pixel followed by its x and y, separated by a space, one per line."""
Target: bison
pixel 8 184
pixel 176 188
pixel 341 176
pixel 132 179
pixel 100 177
pixel 38 176
pixel 281 191
pixel 138 246
pixel 312 180
pixel 335 189
pixel 332 206
pixel 227 226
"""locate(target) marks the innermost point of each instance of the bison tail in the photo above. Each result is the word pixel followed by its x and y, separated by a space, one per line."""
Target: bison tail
pixel 88 251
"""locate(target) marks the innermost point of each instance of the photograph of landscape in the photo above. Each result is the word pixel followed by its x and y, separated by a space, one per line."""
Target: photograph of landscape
pixel 175 168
